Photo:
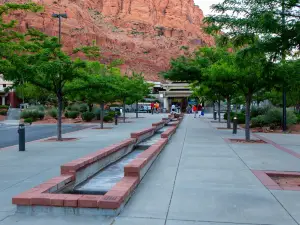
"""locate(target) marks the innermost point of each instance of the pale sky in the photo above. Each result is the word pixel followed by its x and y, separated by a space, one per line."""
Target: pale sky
pixel 205 4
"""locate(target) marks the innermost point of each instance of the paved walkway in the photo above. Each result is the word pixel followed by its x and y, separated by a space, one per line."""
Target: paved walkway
pixel 199 179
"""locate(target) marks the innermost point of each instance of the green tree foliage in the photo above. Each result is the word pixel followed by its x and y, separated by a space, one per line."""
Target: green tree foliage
pixel 275 21
pixel 269 26
pixel 141 89
pixel 100 85
pixel 32 93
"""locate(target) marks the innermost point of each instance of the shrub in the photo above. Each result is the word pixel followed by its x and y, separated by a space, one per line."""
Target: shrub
pixel 3 112
pixel 83 108
pixel 28 120
pixel 298 118
pixel 240 118
pixel 258 121
pixel 4 106
pixel 231 116
pixel 53 113
pixel 291 118
pixel 87 116
pixel 112 113
pixel 108 118
pixel 33 114
pixel 274 117
pixel 74 107
pixel 254 112
pixel 71 114
pixel 41 115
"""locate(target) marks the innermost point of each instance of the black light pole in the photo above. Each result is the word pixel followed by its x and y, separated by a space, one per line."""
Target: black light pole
pixel 59 16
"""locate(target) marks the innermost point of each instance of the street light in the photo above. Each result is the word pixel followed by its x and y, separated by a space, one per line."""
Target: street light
pixel 59 16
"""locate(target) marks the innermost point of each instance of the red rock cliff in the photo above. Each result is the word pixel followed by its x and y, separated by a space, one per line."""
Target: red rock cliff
pixel 144 33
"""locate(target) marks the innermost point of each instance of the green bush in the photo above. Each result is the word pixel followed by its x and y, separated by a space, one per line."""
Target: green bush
pixel 41 115
pixel 28 120
pixel 4 106
pixel 240 118
pixel 53 113
pixel 33 114
pixel 74 107
pixel 258 121
pixel 291 118
pixel 3 112
pixel 83 108
pixel 231 116
pixel 87 116
pixel 112 113
pixel 108 118
pixel 254 112
pixel 274 117
pixel 71 114
pixel 298 118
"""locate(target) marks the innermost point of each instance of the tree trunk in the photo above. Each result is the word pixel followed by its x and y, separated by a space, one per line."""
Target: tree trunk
pixel 219 110
pixel 137 109
pixel 59 115
pixel 247 117
pixel 228 113
pixel 102 114
pixel 214 109
pixel 124 110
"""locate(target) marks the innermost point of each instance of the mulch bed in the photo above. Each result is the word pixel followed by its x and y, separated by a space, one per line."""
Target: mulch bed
pixel 286 180
pixel 63 139
pixel 242 141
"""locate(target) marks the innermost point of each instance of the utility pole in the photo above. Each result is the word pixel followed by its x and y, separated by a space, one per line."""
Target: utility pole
pixel 59 16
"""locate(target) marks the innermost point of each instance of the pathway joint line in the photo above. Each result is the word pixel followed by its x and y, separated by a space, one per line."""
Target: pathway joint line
pixel 278 146
pixel 176 176
pixel 258 179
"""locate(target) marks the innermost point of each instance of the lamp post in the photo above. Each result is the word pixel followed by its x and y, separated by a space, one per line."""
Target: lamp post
pixel 59 16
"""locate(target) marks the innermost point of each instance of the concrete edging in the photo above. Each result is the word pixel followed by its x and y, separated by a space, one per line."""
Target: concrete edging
pixel 45 198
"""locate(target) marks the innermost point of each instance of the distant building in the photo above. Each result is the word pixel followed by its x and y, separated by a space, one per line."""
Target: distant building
pixel 177 93
pixel 7 98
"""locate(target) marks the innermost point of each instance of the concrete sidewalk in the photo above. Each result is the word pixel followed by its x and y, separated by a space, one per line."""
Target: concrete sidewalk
pixel 199 179
pixel 20 171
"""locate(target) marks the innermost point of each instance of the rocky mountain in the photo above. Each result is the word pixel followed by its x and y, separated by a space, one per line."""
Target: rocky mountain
pixel 144 33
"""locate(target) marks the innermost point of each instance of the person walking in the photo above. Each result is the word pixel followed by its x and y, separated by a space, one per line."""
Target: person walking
pixel 195 110
pixel 156 105
pixel 152 107
pixel 173 107
pixel 188 109
pixel 199 110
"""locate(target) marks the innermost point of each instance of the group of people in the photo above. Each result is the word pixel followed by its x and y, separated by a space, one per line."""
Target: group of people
pixel 154 107
pixel 196 110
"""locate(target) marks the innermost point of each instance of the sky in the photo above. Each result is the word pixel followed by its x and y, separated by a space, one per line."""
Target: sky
pixel 205 4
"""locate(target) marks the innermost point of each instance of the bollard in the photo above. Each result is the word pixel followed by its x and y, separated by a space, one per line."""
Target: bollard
pixel 215 115
pixel 116 118
pixel 21 132
pixel 234 125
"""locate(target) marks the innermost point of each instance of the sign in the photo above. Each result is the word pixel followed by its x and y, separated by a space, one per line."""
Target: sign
pixel 193 102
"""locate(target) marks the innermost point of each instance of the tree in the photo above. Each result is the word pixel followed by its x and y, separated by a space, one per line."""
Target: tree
pixel 253 74
pixel 222 76
pixel 125 91
pixel 31 93
pixel 141 89
pixel 99 86
pixel 271 26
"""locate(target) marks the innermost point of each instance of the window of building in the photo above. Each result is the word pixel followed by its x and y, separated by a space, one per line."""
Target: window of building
pixel 4 85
